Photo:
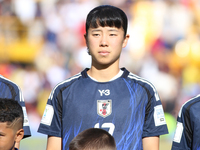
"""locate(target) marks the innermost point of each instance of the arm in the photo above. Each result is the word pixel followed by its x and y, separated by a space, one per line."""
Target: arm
pixel 151 143
pixel 54 143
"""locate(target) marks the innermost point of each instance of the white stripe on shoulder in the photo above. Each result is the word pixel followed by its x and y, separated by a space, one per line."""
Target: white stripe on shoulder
pixel 20 92
pixel 67 80
pixel 180 111
pixel 133 76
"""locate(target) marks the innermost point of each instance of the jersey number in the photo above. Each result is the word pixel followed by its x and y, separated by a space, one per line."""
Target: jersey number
pixel 111 127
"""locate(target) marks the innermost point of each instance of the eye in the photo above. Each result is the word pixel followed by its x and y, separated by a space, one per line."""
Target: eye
pixel 2 134
pixel 113 34
pixel 96 34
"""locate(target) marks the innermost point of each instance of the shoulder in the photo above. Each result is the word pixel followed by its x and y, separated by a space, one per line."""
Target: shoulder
pixel 191 104
pixel 10 89
pixel 142 81
pixel 139 79
pixel 66 83
pixel 7 82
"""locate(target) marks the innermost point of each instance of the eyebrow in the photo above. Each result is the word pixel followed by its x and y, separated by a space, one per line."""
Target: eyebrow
pixel 113 30
pixel 97 30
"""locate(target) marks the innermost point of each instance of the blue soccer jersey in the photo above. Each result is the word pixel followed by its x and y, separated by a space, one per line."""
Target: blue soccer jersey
pixel 10 90
pixel 128 107
pixel 187 135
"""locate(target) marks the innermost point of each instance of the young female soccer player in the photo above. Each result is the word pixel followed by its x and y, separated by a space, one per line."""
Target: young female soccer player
pixel 105 96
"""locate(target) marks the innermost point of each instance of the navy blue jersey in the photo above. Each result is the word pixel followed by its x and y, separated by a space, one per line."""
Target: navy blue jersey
pixel 187 135
pixel 10 90
pixel 128 107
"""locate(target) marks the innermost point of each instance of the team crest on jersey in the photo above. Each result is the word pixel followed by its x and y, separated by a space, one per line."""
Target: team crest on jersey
pixel 104 107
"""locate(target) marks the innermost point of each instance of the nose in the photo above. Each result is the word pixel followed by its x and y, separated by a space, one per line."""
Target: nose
pixel 103 42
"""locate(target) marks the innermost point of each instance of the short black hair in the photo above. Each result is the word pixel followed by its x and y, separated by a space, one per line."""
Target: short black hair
pixel 94 139
pixel 11 111
pixel 107 15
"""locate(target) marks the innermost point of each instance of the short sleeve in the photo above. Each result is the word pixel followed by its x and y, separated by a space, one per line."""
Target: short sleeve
pixel 183 133
pixel 51 121
pixel 26 127
pixel 154 124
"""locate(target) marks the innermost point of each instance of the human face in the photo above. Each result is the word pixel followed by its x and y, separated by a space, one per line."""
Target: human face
pixel 105 45
pixel 7 137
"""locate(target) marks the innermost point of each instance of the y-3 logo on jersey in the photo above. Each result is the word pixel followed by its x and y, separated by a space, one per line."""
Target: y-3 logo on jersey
pixel 104 92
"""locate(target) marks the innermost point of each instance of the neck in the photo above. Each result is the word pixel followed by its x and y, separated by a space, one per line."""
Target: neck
pixel 103 74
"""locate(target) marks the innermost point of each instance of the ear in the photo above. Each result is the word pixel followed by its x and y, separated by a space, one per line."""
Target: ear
pixel 125 41
pixel 85 36
pixel 19 135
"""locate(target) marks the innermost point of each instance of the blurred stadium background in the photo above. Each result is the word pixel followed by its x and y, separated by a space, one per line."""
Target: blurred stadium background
pixel 41 44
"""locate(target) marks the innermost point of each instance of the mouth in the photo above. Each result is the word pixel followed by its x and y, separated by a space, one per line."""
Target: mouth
pixel 103 53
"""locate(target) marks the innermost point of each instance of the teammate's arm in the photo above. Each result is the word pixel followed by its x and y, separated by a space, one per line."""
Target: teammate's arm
pixel 151 143
pixel 54 143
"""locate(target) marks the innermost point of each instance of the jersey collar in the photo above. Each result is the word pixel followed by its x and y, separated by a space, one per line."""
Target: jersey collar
pixel 123 73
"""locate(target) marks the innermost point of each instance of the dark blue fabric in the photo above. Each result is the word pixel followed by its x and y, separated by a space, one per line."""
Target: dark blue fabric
pixel 131 101
pixel 10 90
pixel 190 120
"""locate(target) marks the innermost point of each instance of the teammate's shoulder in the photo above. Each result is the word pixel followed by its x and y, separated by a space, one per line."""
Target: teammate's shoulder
pixel 191 101
pixel 8 82
pixel 189 104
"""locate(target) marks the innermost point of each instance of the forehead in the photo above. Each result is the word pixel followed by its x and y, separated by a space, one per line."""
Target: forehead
pixel 106 28
pixel 4 127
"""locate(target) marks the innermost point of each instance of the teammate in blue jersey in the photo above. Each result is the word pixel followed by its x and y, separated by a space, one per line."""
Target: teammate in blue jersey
pixel 11 90
pixel 187 135
pixel 105 96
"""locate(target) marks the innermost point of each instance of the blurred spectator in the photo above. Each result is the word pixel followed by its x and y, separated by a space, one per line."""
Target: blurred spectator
pixel 28 12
